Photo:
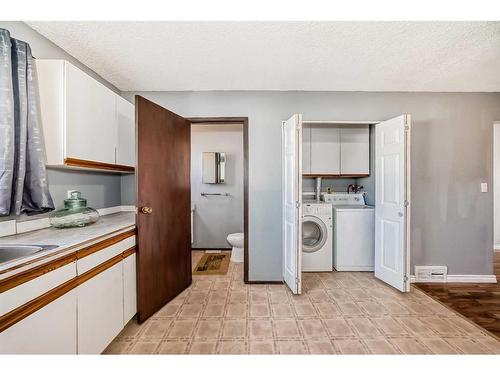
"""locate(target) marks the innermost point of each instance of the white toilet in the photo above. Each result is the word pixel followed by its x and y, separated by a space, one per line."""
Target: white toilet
pixel 236 240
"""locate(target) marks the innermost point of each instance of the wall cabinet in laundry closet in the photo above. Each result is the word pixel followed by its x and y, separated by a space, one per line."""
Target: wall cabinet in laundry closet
pixel 336 149
pixel 325 149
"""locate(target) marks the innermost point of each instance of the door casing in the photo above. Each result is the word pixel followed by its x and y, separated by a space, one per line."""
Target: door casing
pixel 244 122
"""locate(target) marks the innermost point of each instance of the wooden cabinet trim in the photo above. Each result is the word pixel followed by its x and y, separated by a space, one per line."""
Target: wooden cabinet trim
pixel 23 311
pixel 72 162
pixel 33 273
pixel 30 307
pixel 129 252
pixel 86 251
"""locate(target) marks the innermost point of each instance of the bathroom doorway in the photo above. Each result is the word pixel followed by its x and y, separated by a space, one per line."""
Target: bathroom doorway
pixel 219 188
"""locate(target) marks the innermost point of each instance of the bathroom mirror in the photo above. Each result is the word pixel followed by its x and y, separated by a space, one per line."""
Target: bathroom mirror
pixel 213 167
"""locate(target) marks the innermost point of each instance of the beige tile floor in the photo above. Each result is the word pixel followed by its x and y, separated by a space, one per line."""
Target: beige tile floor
pixel 339 313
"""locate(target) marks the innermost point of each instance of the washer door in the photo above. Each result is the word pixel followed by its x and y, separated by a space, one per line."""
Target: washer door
pixel 314 234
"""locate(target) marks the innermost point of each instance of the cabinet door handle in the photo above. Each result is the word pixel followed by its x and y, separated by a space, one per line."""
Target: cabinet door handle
pixel 146 210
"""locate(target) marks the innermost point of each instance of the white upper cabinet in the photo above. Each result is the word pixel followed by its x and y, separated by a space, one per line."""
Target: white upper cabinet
pixel 91 126
pixel 125 118
pixel 355 149
pixel 82 119
pixel 336 149
pixel 325 149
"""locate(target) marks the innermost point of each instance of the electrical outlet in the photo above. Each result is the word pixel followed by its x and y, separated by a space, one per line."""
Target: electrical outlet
pixel 484 187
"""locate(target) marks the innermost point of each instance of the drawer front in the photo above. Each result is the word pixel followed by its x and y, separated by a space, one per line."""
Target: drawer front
pixel 19 295
pixel 93 260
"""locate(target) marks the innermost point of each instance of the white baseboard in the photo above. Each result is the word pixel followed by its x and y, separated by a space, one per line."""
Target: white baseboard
pixel 490 279
pixel 496 248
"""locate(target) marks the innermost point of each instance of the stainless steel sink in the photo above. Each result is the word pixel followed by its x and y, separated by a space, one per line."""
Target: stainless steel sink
pixel 11 252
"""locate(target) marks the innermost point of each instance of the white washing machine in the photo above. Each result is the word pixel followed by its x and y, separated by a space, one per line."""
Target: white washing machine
pixel 317 237
pixel 354 232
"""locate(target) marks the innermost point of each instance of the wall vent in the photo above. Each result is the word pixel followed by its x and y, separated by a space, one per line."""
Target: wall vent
pixel 431 273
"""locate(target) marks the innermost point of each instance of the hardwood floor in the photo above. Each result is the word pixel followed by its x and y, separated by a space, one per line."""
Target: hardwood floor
pixel 478 302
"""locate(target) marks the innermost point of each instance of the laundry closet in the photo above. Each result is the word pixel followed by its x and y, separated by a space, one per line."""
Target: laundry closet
pixel 346 198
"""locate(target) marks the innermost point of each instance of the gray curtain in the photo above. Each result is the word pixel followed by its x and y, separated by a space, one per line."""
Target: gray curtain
pixel 23 179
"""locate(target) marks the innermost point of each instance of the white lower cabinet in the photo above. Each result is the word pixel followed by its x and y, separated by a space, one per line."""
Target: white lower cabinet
pixel 100 310
pixel 86 318
pixel 129 288
pixel 50 330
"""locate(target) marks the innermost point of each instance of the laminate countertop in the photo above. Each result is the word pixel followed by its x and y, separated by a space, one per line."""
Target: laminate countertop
pixel 66 240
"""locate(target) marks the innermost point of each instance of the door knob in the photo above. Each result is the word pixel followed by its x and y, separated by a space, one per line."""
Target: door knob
pixel 146 210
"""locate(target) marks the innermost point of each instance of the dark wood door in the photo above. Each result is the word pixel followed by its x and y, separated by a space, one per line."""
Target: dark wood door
pixel 164 206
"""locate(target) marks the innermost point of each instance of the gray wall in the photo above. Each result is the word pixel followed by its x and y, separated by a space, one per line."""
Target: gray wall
pixel 217 216
pixel 101 189
pixel 452 152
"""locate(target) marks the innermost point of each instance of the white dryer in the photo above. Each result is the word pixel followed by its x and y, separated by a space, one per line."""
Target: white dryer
pixel 317 237
pixel 354 232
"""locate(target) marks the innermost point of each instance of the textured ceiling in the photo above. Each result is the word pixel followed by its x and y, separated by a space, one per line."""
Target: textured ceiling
pixel 337 56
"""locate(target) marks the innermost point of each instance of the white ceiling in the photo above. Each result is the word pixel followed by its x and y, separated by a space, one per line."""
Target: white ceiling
pixel 337 56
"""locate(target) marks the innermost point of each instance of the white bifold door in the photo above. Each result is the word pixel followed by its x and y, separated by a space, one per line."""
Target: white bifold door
pixel 291 148
pixel 392 202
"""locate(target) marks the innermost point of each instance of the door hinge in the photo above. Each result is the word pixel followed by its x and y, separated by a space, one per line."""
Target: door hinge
pixel 405 278
pixel 406 203
pixel 297 204
pixel 407 128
